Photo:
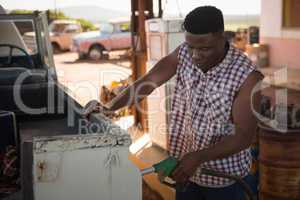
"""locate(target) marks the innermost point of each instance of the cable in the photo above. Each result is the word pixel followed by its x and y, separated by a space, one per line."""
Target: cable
pixel 210 172
pixel 240 181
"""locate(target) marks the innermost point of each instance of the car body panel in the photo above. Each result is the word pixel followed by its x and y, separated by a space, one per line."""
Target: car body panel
pixel 109 39
pixel 62 32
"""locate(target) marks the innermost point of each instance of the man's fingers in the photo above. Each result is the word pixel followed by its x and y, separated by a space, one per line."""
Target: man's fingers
pixel 86 113
pixel 96 107
pixel 91 107
pixel 161 176
pixel 178 175
pixel 176 171
pixel 182 178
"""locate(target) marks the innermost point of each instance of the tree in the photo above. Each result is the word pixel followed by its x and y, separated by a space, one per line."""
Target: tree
pixel 53 15
pixel 87 25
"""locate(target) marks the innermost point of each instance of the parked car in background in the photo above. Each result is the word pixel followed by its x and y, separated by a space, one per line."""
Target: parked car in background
pixel 61 34
pixel 114 35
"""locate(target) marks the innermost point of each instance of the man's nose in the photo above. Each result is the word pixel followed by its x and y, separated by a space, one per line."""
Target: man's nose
pixel 196 54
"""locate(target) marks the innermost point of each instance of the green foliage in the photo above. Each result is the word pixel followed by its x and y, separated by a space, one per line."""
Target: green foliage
pixel 21 12
pixel 57 15
pixel 52 14
pixel 85 24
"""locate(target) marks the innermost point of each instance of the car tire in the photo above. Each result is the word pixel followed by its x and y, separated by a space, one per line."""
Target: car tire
pixel 82 56
pixel 96 53
pixel 56 48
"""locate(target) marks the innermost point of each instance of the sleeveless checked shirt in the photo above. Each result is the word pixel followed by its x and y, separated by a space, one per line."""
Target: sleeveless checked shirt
pixel 201 112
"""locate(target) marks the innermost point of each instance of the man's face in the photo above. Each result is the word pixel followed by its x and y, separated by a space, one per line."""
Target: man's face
pixel 206 50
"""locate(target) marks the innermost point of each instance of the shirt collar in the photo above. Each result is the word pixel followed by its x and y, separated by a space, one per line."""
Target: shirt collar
pixel 223 64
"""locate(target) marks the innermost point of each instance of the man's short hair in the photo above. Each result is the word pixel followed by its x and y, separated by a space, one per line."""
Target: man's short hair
pixel 203 20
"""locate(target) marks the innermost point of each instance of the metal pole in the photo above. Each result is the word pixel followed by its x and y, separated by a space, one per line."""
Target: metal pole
pixel 134 37
pixel 139 54
pixel 160 11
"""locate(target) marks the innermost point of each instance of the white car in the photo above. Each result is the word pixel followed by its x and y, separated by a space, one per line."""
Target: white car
pixel 112 36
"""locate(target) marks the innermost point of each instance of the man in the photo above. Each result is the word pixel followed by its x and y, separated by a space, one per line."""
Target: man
pixel 212 124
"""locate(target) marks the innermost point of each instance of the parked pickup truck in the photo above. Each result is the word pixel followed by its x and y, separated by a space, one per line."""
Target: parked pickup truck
pixel 61 33
pixel 112 36
pixel 62 155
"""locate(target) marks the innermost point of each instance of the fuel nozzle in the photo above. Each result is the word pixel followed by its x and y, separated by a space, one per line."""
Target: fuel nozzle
pixel 166 167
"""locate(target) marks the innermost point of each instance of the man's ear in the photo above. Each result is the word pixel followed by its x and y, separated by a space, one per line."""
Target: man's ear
pixel 220 35
pixel 221 38
pixel 223 34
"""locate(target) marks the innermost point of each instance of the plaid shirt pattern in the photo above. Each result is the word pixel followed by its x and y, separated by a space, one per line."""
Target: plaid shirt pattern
pixel 201 112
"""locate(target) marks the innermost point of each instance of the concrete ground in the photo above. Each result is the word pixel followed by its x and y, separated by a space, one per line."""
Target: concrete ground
pixel 85 77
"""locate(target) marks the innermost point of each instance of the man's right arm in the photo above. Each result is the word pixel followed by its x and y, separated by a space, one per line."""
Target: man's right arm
pixel 162 71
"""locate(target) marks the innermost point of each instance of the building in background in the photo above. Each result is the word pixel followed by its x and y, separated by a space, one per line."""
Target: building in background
pixel 279 28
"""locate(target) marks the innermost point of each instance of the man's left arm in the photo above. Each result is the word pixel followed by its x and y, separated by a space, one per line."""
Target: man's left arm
pixel 245 127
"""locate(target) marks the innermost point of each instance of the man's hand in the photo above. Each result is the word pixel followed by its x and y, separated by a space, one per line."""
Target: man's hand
pixel 95 107
pixel 186 168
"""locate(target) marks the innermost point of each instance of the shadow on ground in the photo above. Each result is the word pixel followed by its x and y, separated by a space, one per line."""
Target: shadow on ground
pixel 118 60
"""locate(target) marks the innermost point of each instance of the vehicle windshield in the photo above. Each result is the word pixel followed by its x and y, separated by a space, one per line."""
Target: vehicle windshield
pixel 106 28
pixel 115 27
pixel 22 36
pixel 58 27
pixel 124 27
pixel 13 32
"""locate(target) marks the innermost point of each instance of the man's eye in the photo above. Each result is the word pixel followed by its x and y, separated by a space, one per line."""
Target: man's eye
pixel 205 49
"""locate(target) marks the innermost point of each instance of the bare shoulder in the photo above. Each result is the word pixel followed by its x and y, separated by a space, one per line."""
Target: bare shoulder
pixel 254 78
pixel 247 99
pixel 247 90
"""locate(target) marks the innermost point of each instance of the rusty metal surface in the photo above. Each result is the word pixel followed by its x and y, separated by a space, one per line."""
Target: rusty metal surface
pixel 58 162
pixel 107 133
pixel 77 142
pixel 279 164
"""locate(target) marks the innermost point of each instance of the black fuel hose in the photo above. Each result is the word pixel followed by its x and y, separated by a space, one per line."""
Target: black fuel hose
pixel 238 179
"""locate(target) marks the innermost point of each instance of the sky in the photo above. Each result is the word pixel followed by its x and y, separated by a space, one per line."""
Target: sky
pixel 229 7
